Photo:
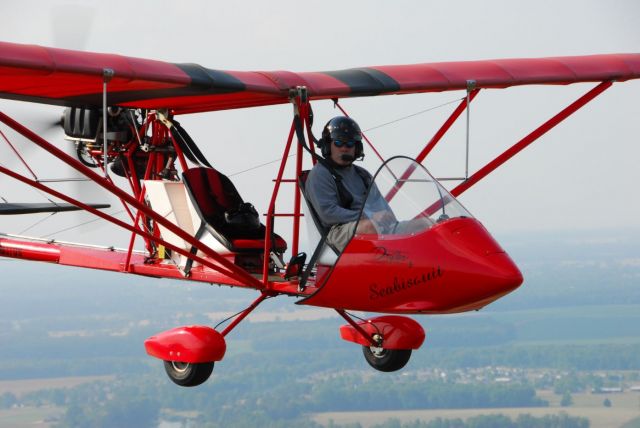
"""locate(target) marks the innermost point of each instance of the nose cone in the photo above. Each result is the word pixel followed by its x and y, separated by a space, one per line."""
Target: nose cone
pixel 503 273
pixel 490 272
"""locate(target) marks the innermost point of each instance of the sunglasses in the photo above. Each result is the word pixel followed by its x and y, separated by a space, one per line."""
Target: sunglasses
pixel 339 143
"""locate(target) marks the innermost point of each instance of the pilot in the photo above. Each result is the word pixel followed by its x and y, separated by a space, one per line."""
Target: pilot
pixel 337 188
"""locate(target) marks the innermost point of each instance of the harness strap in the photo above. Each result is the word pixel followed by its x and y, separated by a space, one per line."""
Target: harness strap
pixel 345 197
pixel 188 146
pixel 194 249
pixel 312 261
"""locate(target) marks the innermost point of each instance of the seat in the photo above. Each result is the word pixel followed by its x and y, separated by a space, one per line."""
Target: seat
pixel 316 230
pixel 212 195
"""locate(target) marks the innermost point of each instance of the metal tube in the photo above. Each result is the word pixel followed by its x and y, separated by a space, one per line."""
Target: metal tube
pixel 359 329
pixel 296 204
pixel 363 136
pixel 111 219
pixel 133 235
pixel 445 126
pixel 244 313
pixel 29 251
pixel 435 139
pixel 61 180
pixel 107 74
pixel 33 174
pixel 227 267
pixel 537 133
pixel 181 159
pixel 470 86
pixel 272 205
pixel 67 243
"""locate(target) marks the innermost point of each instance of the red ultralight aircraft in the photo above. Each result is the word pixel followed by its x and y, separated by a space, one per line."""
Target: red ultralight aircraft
pixel 120 113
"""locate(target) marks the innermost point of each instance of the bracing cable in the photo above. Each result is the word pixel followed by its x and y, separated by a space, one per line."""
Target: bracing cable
pixel 235 315
pixel 365 130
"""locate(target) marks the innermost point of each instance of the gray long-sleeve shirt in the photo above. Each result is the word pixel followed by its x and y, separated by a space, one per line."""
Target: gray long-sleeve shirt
pixel 323 193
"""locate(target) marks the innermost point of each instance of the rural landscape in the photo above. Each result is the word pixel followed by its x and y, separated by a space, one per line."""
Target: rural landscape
pixel 562 351
pixel 527 113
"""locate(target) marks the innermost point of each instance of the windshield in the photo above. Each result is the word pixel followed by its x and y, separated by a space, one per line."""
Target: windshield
pixel 405 199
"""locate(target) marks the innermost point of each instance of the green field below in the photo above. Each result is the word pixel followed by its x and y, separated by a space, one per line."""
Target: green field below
pixel 29 417
pixel 625 409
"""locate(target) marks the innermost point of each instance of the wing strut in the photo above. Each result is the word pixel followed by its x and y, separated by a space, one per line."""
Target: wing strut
pixel 107 75
pixel 533 136
pixel 464 104
pixel 337 104
pixel 33 208
pixel 222 265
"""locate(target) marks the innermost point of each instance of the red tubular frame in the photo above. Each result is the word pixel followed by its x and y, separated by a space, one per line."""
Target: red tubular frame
pixel 434 140
pixel 272 206
pixel 133 235
pixel 29 251
pixel 179 154
pixel 296 204
pixel 537 133
pixel 335 101
pixel 133 177
pixel 446 125
pixel 111 219
pixel 303 109
pixel 246 312
pixel 218 262
pixel 18 155
pixel 227 268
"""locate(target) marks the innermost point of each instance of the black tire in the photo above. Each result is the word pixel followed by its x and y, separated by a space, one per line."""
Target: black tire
pixel 386 360
pixel 188 374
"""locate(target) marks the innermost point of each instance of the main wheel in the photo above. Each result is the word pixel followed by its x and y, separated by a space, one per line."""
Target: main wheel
pixel 386 360
pixel 188 374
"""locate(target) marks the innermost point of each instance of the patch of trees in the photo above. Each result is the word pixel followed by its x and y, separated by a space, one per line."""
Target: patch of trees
pixel 229 399
pixel 493 421
pixel 570 357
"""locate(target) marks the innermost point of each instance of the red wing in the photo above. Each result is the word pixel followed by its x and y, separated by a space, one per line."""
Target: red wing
pixel 64 77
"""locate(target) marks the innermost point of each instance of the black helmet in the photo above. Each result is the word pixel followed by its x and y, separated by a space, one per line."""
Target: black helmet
pixel 341 128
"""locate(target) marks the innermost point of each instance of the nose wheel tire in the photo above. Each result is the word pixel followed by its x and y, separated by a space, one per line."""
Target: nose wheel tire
pixel 386 360
pixel 188 374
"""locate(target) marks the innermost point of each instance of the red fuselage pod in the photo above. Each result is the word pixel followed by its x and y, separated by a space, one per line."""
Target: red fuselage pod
pixel 189 344
pixel 454 266
pixel 416 250
pixel 396 332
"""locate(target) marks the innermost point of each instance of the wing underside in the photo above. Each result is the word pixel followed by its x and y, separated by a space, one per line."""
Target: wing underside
pixel 74 78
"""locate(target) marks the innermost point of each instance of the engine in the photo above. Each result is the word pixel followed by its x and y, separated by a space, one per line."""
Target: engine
pixel 125 137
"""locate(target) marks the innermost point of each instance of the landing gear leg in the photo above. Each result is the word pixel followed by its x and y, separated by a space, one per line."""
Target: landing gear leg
pixel 391 352
pixel 201 346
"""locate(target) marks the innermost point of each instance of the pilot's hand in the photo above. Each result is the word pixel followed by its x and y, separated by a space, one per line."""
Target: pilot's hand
pixel 385 218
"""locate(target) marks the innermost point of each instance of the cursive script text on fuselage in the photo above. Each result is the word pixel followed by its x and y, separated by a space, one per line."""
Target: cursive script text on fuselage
pixel 402 284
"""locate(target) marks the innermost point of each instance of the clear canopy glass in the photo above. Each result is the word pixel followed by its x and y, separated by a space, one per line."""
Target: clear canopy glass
pixel 405 199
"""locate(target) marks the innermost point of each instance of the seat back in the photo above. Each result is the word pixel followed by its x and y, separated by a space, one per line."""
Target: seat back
pixel 212 193
pixel 170 200
pixel 302 183
pixel 315 229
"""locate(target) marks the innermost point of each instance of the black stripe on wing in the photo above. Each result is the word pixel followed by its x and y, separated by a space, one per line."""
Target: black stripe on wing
pixel 366 81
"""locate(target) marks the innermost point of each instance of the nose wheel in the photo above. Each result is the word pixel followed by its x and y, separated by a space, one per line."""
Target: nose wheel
pixel 386 360
pixel 188 374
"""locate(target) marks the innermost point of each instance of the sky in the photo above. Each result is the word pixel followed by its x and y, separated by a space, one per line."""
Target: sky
pixel 580 176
